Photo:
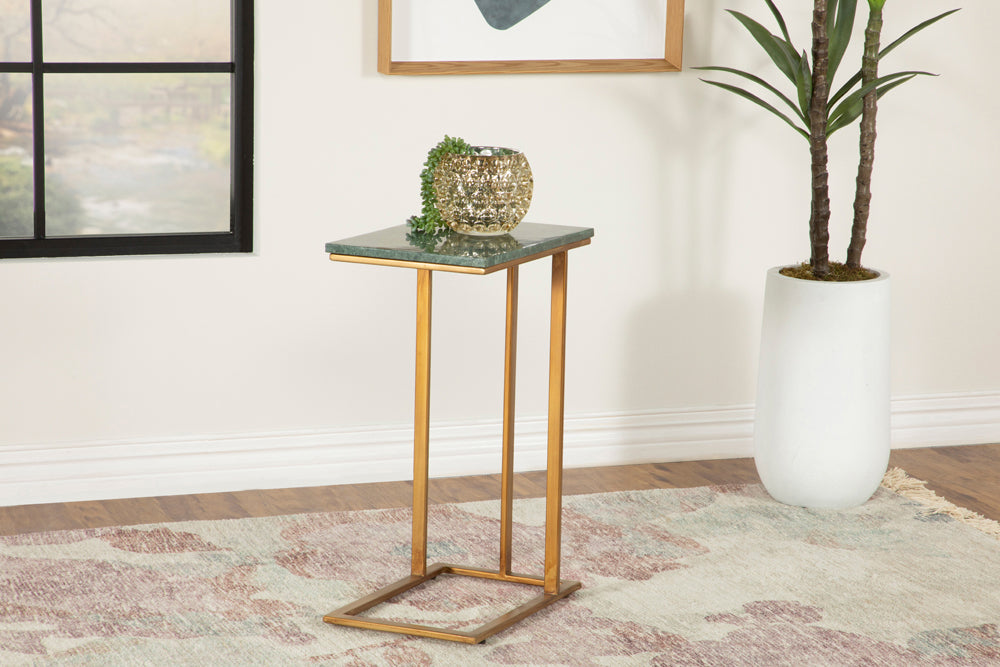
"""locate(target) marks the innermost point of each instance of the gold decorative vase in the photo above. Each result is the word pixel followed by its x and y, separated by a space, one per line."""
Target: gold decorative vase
pixel 486 193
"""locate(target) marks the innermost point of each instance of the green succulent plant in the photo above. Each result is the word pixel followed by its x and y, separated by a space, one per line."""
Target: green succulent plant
pixel 817 110
pixel 429 221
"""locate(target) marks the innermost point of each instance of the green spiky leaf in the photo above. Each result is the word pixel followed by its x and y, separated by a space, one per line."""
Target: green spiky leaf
pixel 841 28
pixel 781 52
pixel 780 19
pixel 849 110
pixel 804 86
pixel 759 102
pixel 913 31
pixel 856 79
pixel 760 82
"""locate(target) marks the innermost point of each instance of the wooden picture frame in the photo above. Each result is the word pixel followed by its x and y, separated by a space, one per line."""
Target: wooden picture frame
pixel 670 62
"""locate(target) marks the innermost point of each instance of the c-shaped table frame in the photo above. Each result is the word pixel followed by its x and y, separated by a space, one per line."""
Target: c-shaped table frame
pixel 553 588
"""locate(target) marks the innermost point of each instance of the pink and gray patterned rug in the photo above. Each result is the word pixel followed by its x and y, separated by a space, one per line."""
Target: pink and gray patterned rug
pixel 706 576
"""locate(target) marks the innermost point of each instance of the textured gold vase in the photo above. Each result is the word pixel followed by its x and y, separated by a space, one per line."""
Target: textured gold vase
pixel 487 193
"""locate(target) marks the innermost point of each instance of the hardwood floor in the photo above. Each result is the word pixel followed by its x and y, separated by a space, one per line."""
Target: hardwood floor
pixel 968 476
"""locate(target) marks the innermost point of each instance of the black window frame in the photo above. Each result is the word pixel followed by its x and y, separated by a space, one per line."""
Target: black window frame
pixel 239 238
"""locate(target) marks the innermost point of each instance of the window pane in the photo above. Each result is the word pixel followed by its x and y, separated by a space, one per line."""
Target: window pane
pixel 15 33
pixel 136 30
pixel 138 154
pixel 17 181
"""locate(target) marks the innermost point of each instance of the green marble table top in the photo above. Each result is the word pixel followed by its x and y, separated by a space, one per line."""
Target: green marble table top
pixel 451 249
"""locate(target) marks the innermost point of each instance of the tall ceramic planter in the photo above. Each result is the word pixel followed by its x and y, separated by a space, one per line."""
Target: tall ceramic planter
pixel 821 433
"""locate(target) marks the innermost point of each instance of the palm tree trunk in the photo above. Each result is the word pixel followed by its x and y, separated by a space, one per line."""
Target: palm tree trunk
pixel 819 220
pixel 863 194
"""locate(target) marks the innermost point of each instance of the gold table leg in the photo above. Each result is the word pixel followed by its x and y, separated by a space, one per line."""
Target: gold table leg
pixel 557 385
pixel 507 465
pixel 553 588
pixel 421 423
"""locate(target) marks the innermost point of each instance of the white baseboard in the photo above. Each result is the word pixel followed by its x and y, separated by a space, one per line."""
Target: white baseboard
pixel 90 471
pixel 946 419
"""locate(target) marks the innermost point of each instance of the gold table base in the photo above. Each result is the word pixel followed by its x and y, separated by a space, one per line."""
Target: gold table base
pixel 553 588
pixel 347 615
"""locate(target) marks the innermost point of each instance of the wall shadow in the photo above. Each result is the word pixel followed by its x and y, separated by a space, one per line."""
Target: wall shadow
pixel 691 343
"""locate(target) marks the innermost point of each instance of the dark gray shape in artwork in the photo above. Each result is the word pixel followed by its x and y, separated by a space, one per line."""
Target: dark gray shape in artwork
pixel 502 14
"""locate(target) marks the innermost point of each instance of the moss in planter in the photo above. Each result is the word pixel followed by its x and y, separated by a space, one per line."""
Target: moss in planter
pixel 839 273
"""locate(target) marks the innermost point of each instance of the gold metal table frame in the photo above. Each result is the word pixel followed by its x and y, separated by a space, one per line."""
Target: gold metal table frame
pixel 553 588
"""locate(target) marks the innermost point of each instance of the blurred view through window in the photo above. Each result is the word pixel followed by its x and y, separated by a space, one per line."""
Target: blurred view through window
pixel 125 126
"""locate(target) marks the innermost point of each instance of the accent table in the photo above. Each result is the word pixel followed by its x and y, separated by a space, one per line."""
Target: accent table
pixel 476 255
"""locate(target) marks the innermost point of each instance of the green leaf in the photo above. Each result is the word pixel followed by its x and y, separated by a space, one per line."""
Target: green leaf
pixel 780 19
pixel 846 88
pixel 860 93
pixel 781 53
pixel 760 82
pixel 758 101
pixel 913 31
pixel 841 30
pixel 803 85
pixel 856 110
pixel 886 88
pixel 852 107
pixel 856 79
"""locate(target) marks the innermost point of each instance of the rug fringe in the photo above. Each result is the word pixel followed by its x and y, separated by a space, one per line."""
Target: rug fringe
pixel 898 481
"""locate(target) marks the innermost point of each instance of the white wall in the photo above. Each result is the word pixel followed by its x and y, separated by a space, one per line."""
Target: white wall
pixel 138 376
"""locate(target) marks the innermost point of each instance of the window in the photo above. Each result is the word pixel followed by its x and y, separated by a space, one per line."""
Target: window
pixel 126 127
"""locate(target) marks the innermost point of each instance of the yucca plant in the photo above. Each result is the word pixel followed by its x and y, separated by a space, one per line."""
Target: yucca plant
pixel 816 112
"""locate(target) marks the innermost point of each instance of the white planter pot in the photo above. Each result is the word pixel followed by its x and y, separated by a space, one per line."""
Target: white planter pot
pixel 821 433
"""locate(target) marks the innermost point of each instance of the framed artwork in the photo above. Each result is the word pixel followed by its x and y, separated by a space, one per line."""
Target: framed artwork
pixel 529 36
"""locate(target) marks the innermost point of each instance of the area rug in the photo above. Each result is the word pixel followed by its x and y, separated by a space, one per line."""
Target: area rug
pixel 704 576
